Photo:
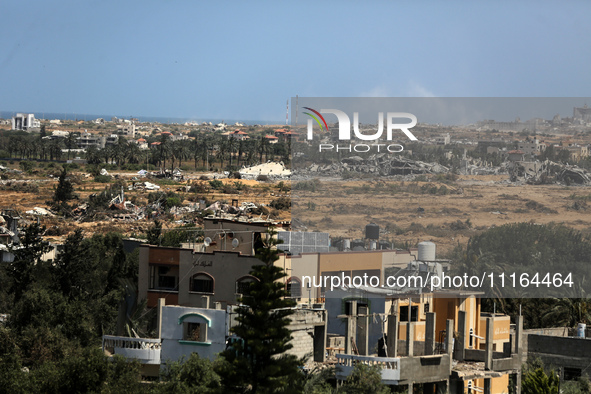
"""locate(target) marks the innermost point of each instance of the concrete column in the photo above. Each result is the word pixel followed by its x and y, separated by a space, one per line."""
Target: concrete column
pixel 410 388
pixel 218 306
pixel 488 352
pixel 519 335
pixel 161 303
pixel 487 386
pixel 430 334
pixel 320 343
pixel 351 327
pixel 449 333
pixel 363 322
pixel 392 341
pixel 410 335
pixel 517 383
pixel 461 340
pixel 349 335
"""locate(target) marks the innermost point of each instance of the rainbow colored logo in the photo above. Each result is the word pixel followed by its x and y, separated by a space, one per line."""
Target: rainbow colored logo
pixel 316 119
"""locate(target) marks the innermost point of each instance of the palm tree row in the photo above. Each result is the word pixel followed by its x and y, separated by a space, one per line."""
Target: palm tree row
pixel 210 151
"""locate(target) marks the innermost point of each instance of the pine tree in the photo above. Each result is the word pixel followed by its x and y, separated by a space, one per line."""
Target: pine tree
pixel 27 257
pixel 64 191
pixel 257 363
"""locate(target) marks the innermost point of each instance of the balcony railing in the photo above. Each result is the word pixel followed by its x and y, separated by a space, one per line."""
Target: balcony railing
pixel 145 350
pixel 390 366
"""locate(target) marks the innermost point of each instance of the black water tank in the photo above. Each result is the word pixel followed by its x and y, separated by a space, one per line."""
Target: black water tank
pixel 372 231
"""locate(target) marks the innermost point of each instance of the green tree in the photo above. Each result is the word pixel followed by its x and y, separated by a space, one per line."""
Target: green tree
pixel 27 258
pixel 195 375
pixel 536 381
pixel 154 233
pixel 365 379
pixel 257 363
pixel 64 192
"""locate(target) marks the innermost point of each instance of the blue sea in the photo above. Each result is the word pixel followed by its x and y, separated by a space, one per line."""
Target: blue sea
pixel 154 119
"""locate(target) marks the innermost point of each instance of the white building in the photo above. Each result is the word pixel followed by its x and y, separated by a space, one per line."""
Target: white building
pixel 25 122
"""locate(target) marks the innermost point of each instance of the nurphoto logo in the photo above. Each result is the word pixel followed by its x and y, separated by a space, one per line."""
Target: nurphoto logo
pixel 345 130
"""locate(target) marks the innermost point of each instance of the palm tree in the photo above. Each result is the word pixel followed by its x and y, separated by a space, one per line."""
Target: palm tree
pixel 570 311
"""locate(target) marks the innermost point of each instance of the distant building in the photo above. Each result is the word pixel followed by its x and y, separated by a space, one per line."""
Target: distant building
pixel 582 115
pixel 577 152
pixel 128 129
pixel 531 147
pixel 272 139
pixel 112 139
pixel 443 139
pixel 515 155
pixel 25 122
pixel 239 135
pixel 87 140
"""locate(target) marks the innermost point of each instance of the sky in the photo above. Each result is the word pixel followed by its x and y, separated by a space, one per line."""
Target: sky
pixel 243 60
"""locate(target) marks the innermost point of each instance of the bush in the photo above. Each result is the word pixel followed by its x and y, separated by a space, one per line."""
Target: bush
pixel 216 184
pixel 102 178
pixel 281 204
pixel 262 178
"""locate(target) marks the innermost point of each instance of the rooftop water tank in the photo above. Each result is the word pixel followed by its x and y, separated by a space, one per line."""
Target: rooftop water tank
pixel 372 231
pixel 426 251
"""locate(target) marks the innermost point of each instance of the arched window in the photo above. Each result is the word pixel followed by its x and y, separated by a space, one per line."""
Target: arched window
pixel 243 284
pixel 294 287
pixel 201 283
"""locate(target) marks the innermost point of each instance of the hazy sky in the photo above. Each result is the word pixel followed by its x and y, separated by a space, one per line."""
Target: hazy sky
pixel 244 59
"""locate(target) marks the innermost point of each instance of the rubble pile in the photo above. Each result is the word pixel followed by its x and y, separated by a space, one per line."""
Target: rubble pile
pixel 536 172
pixel 475 166
pixel 380 164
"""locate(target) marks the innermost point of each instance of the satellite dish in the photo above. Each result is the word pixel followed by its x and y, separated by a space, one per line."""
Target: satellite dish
pixel 207 241
pixel 235 243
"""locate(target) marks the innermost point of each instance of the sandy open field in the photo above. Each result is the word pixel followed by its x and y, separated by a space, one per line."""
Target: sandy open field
pixel 474 204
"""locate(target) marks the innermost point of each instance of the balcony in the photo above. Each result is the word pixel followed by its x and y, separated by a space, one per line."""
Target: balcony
pixel 145 350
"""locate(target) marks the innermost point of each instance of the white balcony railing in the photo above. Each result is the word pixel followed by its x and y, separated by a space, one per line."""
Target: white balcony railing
pixel 145 350
pixel 390 366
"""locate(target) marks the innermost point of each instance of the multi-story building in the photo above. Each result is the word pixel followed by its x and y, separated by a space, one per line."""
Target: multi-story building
pixel 442 343
pixel 87 140
pixel 25 122
pixel 531 147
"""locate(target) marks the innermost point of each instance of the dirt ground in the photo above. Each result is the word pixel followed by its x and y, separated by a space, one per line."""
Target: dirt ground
pixel 476 203
pixel 343 208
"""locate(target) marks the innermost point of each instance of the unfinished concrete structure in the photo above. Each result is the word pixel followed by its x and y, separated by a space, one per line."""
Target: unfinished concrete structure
pixel 443 344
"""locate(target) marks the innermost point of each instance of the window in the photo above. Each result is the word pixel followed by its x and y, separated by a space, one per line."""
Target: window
pixel 163 278
pixel 196 332
pixel 414 313
pixel 201 283
pixel 294 288
pixel 243 285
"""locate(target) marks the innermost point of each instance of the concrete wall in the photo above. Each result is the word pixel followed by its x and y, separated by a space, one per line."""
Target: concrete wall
pixel 569 352
pixel 425 369
pixel 173 345
pixel 302 330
